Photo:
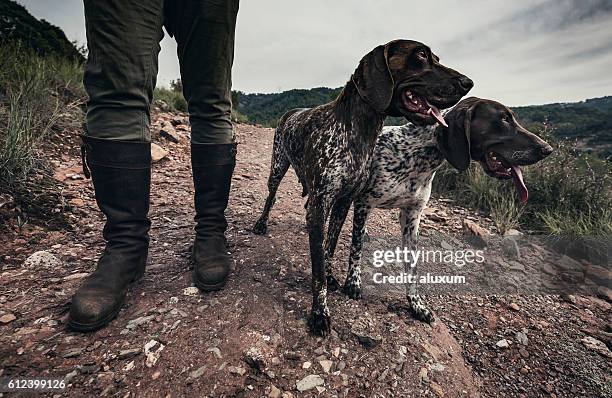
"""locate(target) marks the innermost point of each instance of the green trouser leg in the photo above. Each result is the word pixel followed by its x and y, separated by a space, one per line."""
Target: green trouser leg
pixel 123 41
pixel 205 37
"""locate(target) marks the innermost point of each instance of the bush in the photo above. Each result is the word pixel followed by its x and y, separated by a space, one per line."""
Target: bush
pixel 34 91
pixel 569 194
pixel 174 99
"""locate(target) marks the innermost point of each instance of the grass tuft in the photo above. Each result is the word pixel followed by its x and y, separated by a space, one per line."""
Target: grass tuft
pixel 35 92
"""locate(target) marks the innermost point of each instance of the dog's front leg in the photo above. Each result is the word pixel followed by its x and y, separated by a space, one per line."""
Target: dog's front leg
pixel 409 221
pixel 320 323
pixel 336 221
pixel 352 285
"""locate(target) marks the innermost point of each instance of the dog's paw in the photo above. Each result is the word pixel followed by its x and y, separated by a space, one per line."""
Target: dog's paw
pixel 353 290
pixel 260 227
pixel 419 310
pixel 332 284
pixel 366 236
pixel 320 323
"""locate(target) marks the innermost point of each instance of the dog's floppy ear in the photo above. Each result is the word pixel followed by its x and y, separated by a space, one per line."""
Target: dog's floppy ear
pixel 373 78
pixel 454 141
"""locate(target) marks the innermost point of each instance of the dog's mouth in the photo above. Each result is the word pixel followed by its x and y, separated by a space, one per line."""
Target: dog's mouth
pixel 418 104
pixel 496 166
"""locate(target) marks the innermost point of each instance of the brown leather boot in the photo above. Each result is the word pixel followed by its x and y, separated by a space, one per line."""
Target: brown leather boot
pixel 213 166
pixel 121 174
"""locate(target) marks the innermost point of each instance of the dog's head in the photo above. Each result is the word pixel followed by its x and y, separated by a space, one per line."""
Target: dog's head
pixel 488 132
pixel 404 78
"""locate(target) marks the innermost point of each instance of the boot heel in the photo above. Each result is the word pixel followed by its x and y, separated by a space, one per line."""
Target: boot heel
pixel 139 275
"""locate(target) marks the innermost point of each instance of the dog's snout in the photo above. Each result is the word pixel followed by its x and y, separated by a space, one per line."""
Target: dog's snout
pixel 546 150
pixel 466 83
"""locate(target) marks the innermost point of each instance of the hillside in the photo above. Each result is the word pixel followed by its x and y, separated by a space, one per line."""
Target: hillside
pixel 589 123
pixel 265 109
pixel 17 25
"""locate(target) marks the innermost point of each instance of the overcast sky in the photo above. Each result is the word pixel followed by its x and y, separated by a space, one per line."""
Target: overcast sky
pixel 518 52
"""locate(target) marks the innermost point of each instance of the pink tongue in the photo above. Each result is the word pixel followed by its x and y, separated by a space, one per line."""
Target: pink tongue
pixel 433 111
pixel 517 176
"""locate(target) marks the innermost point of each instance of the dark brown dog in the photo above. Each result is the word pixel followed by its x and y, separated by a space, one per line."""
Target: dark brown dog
pixel 330 146
pixel 487 131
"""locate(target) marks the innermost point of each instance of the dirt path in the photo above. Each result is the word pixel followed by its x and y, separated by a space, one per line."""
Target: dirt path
pixel 251 339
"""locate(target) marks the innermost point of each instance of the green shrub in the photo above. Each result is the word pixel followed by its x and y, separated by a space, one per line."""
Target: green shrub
pixel 571 194
pixel 34 91
pixel 238 117
pixel 173 98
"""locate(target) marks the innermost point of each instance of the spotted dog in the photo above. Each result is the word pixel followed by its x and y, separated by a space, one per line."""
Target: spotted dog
pixel 405 161
pixel 330 146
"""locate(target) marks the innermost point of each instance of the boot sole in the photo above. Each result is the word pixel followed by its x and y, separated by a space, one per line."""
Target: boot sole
pixel 90 327
pixel 205 287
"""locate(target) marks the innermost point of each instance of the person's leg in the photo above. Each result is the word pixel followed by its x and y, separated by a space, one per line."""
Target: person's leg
pixel 205 37
pixel 123 41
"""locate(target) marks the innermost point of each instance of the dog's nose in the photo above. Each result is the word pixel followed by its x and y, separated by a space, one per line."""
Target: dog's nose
pixel 546 150
pixel 466 83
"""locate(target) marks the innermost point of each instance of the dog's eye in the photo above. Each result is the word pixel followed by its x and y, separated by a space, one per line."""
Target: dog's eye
pixel 422 55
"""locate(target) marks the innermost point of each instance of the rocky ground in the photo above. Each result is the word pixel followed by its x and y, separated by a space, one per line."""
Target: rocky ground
pixel 251 340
